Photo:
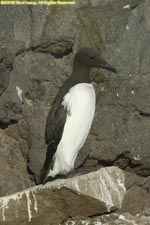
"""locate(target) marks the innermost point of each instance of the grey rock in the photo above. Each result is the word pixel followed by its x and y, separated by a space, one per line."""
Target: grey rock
pixel 43 59
pixel 13 175
pixel 84 195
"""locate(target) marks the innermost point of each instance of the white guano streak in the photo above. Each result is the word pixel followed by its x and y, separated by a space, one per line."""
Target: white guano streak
pixel 29 206
pixel 126 6
pixel 19 92
pixel 4 203
pixel 35 202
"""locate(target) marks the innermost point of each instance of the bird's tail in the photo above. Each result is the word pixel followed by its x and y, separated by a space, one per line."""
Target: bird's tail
pixel 48 164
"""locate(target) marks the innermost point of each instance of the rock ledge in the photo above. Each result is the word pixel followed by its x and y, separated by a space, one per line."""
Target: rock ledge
pixel 83 195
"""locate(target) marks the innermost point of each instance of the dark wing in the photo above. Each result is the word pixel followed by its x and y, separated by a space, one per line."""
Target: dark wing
pixel 56 117
pixel 54 128
pixel 55 122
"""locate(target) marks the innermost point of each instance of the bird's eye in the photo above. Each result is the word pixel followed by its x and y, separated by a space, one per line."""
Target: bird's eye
pixel 91 56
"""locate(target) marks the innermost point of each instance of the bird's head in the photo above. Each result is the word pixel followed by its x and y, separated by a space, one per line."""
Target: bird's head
pixel 90 58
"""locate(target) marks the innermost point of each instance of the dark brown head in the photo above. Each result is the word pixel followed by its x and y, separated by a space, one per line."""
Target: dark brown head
pixel 90 58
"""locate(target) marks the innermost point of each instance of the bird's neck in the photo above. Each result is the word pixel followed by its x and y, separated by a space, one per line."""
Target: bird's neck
pixel 81 74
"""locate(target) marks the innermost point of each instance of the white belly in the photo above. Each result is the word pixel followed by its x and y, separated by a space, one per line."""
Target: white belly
pixel 80 104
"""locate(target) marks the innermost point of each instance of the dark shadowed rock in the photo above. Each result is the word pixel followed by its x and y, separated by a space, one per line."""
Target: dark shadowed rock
pixel 6 66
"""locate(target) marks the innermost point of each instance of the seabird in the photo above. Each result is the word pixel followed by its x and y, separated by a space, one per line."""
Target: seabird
pixel 71 115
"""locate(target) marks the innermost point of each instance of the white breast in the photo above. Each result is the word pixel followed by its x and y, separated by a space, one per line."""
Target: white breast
pixel 80 105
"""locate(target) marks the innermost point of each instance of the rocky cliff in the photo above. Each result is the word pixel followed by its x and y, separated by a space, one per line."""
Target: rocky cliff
pixel 37 45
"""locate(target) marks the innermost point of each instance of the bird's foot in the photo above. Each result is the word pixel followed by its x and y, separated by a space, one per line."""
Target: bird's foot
pixel 49 178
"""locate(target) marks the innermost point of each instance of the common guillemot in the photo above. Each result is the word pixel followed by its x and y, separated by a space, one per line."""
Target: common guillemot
pixel 71 115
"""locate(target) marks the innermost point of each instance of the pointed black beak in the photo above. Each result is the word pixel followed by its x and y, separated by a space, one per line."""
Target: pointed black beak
pixel 108 67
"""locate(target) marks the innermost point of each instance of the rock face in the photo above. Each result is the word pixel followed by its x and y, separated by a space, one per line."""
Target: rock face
pixel 84 195
pixel 37 46
pixel 35 60
pixel 14 176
